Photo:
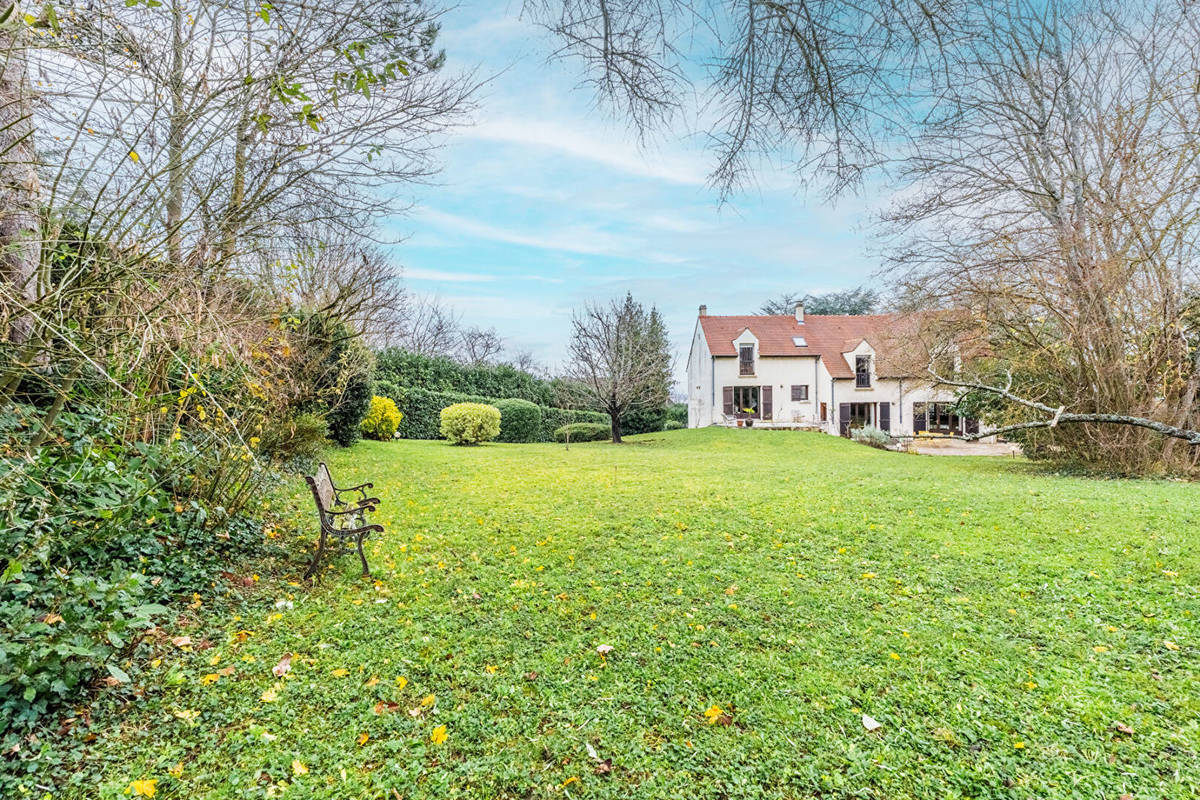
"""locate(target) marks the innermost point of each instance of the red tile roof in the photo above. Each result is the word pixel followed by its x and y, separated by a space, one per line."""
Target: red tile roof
pixel 826 336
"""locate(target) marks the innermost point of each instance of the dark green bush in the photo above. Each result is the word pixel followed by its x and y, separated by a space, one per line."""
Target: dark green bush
pixel 555 418
pixel 677 412
pixel 584 432
pixel 674 425
pixel 441 374
pixel 643 420
pixel 520 420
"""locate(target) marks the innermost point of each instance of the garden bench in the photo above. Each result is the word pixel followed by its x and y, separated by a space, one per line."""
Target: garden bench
pixel 340 520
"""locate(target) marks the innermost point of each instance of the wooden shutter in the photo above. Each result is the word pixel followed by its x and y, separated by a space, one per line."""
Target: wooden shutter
pixel 918 417
pixel 728 399
pixel 844 419
pixel 767 409
pixel 824 412
pixel 885 417
pixel 972 425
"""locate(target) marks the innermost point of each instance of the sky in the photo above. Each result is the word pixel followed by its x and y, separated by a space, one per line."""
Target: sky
pixel 547 202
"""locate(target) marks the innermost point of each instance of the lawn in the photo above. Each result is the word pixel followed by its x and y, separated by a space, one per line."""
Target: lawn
pixel 1015 633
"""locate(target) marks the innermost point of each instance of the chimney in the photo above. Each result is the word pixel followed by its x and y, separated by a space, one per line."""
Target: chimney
pixel 704 311
pixel 800 313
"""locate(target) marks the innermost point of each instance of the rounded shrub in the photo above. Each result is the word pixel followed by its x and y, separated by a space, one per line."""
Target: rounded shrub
pixel 871 436
pixel 520 420
pixel 382 419
pixel 584 432
pixel 470 423
pixel 674 425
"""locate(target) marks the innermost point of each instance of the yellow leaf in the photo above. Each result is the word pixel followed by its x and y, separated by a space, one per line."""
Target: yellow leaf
pixel 374 680
pixel 428 700
pixel 1019 745
pixel 438 736
pixel 895 656
pixel 210 678
pixel 176 771
pixel 1170 645
pixel 340 673
pixel 144 788
pixel 133 155
pixel 401 682
pixel 868 575
pixel 298 769
pixel 1100 648
pixel 362 739
pixel 713 714
pixel 270 695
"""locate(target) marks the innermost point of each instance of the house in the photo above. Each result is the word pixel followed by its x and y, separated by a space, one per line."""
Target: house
pixel 830 373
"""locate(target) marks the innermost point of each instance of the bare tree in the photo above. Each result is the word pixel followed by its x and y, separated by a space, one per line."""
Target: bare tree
pixel 478 345
pixel 619 355
pixel 1054 198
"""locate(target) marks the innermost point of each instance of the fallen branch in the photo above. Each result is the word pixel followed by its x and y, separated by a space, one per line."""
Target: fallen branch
pixel 1060 417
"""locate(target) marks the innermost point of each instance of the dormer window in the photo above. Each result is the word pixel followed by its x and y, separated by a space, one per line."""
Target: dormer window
pixel 862 372
pixel 746 359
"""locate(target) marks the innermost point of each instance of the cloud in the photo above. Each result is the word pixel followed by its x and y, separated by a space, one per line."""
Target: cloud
pixel 571 239
pixel 445 276
pixel 585 143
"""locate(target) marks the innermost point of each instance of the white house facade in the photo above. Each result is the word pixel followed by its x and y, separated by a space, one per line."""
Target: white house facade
pixel 829 373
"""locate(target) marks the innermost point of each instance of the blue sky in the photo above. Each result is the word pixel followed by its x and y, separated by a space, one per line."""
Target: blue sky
pixel 547 202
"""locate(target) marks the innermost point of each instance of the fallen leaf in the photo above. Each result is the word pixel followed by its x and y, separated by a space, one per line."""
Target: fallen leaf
pixel 531 676
pixel 438 736
pixel 604 649
pixel 386 706
pixel 1170 645
pixel 340 672
pixel 182 641
pixel 144 788
pixel 1123 728
pixel 604 767
pixel 427 701
pixel 870 723
pixel 591 751
pixel 283 667
pixel 298 768
pixel 362 739
pixel 713 714
pixel 52 618
pixel 373 681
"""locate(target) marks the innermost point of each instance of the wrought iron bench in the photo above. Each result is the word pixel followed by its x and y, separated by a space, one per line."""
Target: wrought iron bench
pixel 340 521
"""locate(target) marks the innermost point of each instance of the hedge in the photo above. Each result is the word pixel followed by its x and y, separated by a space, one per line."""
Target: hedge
pixel 520 420
pixel 422 409
pixel 584 432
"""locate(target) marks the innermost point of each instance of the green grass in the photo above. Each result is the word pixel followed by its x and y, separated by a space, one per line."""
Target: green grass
pixel 998 621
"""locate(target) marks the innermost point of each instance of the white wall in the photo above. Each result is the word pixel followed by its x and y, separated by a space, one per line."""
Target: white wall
pixel 699 377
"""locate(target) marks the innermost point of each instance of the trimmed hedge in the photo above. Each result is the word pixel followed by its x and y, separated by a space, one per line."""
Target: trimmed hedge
pixel 674 425
pixel 520 420
pixel 584 432
pixel 422 408
pixel 470 423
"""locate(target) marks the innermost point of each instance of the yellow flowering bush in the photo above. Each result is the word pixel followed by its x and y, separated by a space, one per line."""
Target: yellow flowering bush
pixel 382 419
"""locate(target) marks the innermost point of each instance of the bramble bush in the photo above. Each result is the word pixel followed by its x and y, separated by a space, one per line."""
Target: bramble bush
pixel 470 423
pixel 520 420
pixel 584 432
pixel 382 419
pixel 97 539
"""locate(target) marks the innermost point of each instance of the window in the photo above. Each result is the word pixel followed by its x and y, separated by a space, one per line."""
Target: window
pixel 746 359
pixel 745 401
pixel 799 393
pixel 862 372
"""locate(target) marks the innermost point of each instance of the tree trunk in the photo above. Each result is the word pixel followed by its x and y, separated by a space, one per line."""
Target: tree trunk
pixel 20 190
pixel 615 426
pixel 176 132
